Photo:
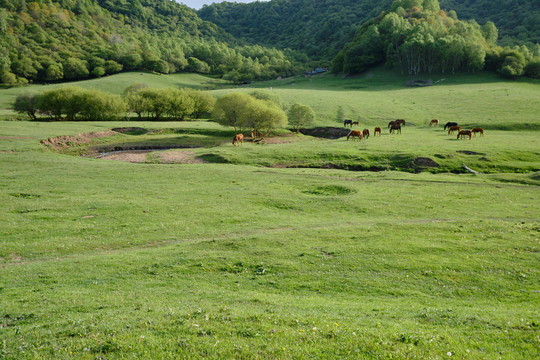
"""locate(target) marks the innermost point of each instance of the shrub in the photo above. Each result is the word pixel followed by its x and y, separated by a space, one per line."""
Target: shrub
pixel 203 102
pixel 26 103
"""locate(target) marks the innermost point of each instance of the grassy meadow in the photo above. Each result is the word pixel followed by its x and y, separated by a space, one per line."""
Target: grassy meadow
pixel 276 250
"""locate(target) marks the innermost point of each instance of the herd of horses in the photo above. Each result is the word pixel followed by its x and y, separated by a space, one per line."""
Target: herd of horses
pixel 394 127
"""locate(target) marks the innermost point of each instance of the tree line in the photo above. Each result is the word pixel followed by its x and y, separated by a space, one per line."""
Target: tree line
pixel 417 37
pixel 51 41
pixel 259 112
pixel 73 103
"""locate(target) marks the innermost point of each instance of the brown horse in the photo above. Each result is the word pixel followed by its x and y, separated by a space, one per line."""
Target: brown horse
pixel 377 130
pixel 478 130
pixel 464 133
pixel 401 122
pixel 451 129
pixel 355 133
pixel 238 139
pixel 395 127
pixel 434 122
pixel 355 123
pixel 365 132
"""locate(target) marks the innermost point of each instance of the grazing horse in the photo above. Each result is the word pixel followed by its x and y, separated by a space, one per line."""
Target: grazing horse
pixel 355 123
pixel 377 130
pixel 464 133
pixel 478 130
pixel 347 122
pixel 391 123
pixel 434 122
pixel 238 139
pixel 365 132
pixel 451 129
pixel 448 124
pixel 355 133
pixel 400 122
pixel 395 127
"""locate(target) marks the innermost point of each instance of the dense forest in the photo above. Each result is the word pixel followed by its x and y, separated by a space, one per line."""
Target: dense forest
pixel 48 40
pixel 62 40
pixel 417 37
pixel 320 28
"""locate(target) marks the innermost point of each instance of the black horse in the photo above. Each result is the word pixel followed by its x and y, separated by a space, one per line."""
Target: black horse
pixel 347 122
pixel 395 127
pixel 448 124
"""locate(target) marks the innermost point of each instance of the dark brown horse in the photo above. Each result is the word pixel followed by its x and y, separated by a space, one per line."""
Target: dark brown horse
pixel 355 133
pixel 355 123
pixel 451 129
pixel 365 132
pixel 434 122
pixel 478 130
pixel 395 127
pixel 401 122
pixel 464 133
pixel 347 122
pixel 377 130
pixel 238 139
pixel 448 124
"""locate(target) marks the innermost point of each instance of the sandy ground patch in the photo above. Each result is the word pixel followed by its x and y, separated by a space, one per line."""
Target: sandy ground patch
pixel 134 156
pixel 179 156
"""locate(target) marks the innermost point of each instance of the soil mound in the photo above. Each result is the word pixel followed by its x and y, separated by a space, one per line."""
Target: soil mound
pixel 421 163
pixel 326 132
pixel 64 141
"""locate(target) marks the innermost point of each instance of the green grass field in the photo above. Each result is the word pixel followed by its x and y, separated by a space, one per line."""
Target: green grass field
pixel 261 251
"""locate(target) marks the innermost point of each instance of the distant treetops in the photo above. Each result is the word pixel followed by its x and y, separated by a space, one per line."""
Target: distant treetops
pixel 416 36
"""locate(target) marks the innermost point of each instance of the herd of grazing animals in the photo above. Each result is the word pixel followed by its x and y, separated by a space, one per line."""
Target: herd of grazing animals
pixel 394 126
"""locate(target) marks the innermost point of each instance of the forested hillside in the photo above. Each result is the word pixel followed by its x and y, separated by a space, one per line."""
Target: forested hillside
pixel 518 21
pixel 321 27
pixel 48 40
pixel 417 37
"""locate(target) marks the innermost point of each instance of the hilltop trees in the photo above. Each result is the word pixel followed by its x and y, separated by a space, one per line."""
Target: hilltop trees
pixel 417 37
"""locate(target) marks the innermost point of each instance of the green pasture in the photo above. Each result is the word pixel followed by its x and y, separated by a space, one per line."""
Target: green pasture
pixel 267 250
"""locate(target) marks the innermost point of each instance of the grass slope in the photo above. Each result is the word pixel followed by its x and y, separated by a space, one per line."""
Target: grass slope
pixel 105 259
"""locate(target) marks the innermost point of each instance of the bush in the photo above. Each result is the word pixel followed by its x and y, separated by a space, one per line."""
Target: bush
pixel 64 101
pixel 78 103
pixel 300 116
pixel 98 106
pixel 532 70
pixel 203 102
pixel 26 103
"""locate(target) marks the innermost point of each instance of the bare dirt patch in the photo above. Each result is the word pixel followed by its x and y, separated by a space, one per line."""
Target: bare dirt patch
pixel 180 157
pixel 134 156
pixel 65 141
